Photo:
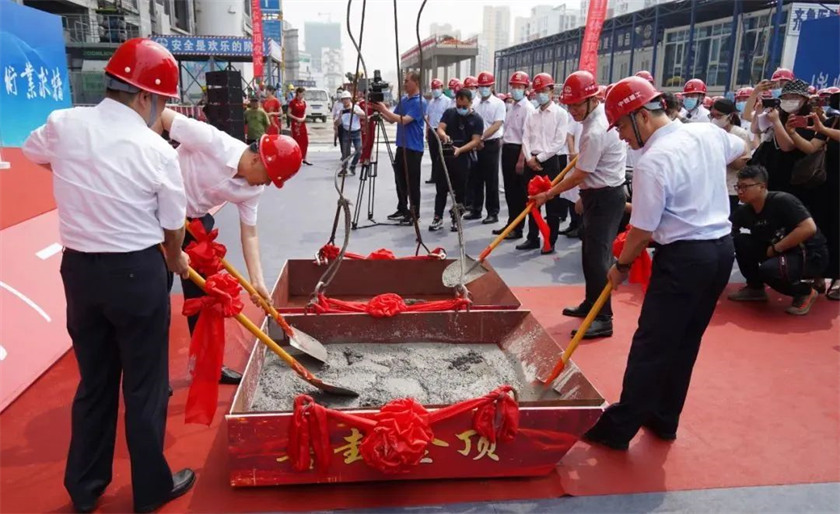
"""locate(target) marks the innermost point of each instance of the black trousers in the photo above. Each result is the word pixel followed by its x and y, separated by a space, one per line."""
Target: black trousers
pixel 783 273
pixel 516 186
pixel 556 208
pixel 484 178
pixel 411 189
pixel 437 163
pixel 458 168
pixel 602 212
pixel 688 277
pixel 118 319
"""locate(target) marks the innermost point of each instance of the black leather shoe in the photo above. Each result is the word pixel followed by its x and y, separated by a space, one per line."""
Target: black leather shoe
pixel 570 228
pixel 598 328
pixel 397 215
pixel 529 244
pixel 497 231
pixel 182 482
pixel 576 233
pixel 230 376
pixel 548 251
pixel 659 432
pixel 84 507
pixel 577 312
pixel 514 234
pixel 595 437
pixel 472 215
pixel 490 219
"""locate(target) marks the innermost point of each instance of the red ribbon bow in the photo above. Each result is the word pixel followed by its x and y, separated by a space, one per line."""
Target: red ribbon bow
pixel 387 305
pixel 207 346
pixel 540 184
pixel 642 267
pixel 498 416
pixel 399 440
pixel 205 253
pixel 330 252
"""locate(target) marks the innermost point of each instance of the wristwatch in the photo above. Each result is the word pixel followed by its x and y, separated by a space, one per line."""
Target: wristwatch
pixel 623 268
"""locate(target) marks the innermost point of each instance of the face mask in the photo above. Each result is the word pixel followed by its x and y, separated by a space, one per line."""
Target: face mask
pixel 690 104
pixel 534 102
pixel 436 93
pixel 790 106
pixel 518 94
pixel 472 93
pixel 776 92
pixel 721 122
pixel 740 106
pixel 543 98
pixel 484 91
pixel 463 111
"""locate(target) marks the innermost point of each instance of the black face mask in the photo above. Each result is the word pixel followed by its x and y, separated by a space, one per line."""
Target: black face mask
pixel 834 101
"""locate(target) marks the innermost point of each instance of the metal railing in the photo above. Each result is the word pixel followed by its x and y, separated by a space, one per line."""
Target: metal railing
pixel 109 28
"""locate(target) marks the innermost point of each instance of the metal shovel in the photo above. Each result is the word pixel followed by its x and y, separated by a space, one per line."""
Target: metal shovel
pixel 291 361
pixel 475 268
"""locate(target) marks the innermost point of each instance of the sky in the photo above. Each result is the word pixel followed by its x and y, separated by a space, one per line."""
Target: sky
pixel 378 47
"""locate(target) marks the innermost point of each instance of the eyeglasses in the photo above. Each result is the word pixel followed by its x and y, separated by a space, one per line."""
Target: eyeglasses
pixel 743 187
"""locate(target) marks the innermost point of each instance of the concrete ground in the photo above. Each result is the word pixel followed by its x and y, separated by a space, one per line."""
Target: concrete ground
pixel 296 221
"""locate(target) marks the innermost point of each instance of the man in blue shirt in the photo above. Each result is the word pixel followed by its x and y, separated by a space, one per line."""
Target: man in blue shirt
pixel 409 115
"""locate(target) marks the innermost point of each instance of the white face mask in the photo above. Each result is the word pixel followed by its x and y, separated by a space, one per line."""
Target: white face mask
pixel 790 106
pixel 721 122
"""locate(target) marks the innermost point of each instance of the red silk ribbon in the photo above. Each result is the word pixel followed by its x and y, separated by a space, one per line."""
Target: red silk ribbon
pixel 207 346
pixel 205 253
pixel 540 184
pixel 386 305
pixel 330 252
pixel 642 267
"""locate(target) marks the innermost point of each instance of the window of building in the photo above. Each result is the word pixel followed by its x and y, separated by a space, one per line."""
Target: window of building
pixel 711 59
pixel 182 14
pixel 754 53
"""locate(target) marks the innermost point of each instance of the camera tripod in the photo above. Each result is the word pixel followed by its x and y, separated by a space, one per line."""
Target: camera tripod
pixel 368 174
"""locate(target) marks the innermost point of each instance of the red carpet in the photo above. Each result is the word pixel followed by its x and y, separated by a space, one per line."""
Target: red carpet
pixel 762 410
pixel 25 189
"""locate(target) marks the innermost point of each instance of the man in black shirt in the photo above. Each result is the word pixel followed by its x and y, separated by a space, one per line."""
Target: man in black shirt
pixel 460 131
pixel 783 247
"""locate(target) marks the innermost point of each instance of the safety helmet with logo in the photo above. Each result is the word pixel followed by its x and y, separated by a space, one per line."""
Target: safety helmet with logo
pixel 628 96
pixel 437 84
pixel 608 88
pixel 645 74
pixel 694 86
pixel 470 81
pixel 782 74
pixel 146 65
pixel 743 93
pixel 455 85
pixel 579 86
pixel 519 78
pixel 281 157
pixel 709 101
pixel 485 79
pixel 542 81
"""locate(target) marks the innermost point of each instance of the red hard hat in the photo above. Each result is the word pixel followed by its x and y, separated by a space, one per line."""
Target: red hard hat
pixel 281 157
pixel 145 64
pixel 833 90
pixel 782 74
pixel 436 83
pixel 812 90
pixel 542 81
pixel 708 102
pixel 485 78
pixel 627 96
pixel 501 96
pixel 470 82
pixel 694 86
pixel 645 74
pixel 519 78
pixel 579 86
pixel 744 92
pixel 607 90
pixel 454 85
pixel 823 93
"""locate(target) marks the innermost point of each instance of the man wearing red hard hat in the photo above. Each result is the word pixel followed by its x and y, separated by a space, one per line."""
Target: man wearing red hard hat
pixel 483 182
pixel 680 202
pixel 217 169
pixel 694 108
pixel 120 194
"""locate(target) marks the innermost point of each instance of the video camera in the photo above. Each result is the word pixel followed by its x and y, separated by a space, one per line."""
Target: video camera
pixel 377 88
pixel 770 103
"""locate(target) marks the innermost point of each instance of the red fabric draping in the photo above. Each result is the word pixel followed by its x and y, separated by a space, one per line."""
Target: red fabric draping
pixel 205 253
pixel 641 268
pixel 330 252
pixel 540 184
pixel 386 305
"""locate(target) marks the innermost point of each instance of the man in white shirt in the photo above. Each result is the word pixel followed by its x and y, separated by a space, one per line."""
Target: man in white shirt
pixel 119 195
pixel 680 202
pixel 483 183
pixel 516 186
pixel 545 148
pixel 437 106
pixel 218 168
pixel 693 110
pixel 600 174
pixel 350 122
pixel 338 105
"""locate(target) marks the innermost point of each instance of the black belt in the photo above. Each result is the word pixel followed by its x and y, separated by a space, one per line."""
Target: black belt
pixel 688 242
pixel 492 141
pixel 71 251
pixel 513 144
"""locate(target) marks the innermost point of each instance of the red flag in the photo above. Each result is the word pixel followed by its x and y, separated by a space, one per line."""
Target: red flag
pixel 257 39
pixel 591 36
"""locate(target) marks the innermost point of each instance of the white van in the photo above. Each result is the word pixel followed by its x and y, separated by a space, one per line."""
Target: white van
pixel 318 104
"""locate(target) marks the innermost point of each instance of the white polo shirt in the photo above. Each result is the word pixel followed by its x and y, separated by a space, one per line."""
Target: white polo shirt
pixel 209 162
pixel 545 133
pixel 602 155
pixel 436 108
pixel 116 183
pixel 491 110
pixel 515 121
pixel 679 183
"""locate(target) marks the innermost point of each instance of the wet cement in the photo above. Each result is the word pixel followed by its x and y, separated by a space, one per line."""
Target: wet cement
pixel 431 373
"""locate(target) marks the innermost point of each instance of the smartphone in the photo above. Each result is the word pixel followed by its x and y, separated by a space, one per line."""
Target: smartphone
pixel 800 122
pixel 769 103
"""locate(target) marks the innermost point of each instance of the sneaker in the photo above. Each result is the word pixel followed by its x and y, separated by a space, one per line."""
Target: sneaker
pixel 407 220
pixel 436 225
pixel 801 305
pixel 397 215
pixel 834 291
pixel 749 294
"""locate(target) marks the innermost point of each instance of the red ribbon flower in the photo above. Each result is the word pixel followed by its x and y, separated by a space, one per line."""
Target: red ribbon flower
pixel 386 305
pixel 400 437
pixel 540 184
pixel 207 346
pixel 205 253
pixel 498 417
pixel 642 267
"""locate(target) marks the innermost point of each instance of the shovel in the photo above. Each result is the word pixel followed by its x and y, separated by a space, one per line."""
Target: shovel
pixel 300 340
pixel 291 361
pixel 475 269
pixel 590 317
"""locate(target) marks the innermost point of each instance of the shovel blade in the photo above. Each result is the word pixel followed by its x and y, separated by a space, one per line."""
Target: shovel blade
pixel 308 345
pixel 332 388
pixel 473 270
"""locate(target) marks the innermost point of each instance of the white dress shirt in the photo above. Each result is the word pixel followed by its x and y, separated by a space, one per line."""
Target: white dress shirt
pixel 436 108
pixel 515 121
pixel 209 162
pixel 575 130
pixel 347 119
pixel 679 183
pixel 699 115
pixel 545 133
pixel 491 110
pixel 116 183
pixel 602 155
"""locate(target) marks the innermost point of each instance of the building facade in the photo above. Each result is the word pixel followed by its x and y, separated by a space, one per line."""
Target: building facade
pixel 544 21
pixel 319 35
pixel 495 35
